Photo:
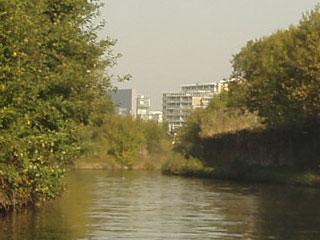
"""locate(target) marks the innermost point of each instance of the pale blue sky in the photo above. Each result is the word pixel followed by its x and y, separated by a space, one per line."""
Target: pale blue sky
pixel 166 43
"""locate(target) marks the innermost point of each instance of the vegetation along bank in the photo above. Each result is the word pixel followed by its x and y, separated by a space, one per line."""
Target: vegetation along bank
pixel 265 126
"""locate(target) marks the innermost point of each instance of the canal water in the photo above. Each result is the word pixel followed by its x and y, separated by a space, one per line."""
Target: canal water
pixel 145 205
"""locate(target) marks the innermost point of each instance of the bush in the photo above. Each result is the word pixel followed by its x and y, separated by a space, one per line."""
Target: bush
pixel 123 142
pixel 177 164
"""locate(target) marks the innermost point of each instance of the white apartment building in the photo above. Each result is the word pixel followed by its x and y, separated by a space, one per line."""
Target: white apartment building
pixel 143 106
pixel 155 116
pixel 203 87
pixel 176 106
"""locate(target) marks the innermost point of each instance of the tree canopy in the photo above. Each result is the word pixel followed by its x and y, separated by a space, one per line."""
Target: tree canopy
pixel 282 73
pixel 52 83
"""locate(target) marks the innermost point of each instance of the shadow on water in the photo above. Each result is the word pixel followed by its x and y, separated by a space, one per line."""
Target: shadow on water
pixel 148 205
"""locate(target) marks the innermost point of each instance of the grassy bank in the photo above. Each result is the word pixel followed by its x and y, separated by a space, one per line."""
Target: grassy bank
pixel 239 171
pixel 148 162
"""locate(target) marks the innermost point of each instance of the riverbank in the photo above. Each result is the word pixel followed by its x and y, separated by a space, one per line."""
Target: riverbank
pixel 107 162
pixel 239 171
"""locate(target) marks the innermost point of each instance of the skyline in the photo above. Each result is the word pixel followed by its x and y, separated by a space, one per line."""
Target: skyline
pixel 169 43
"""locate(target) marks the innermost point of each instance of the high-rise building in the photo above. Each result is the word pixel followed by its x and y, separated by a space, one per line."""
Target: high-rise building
pixel 125 101
pixel 176 106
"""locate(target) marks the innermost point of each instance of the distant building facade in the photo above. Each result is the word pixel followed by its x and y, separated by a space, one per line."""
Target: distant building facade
pixel 176 106
pixel 125 101
pixel 143 107
pixel 156 116
pixel 197 87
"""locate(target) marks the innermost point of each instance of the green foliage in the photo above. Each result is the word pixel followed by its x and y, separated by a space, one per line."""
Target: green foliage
pixel 154 135
pixel 226 114
pixel 282 73
pixel 123 142
pixel 223 115
pixel 124 138
pixel 189 137
pixel 51 85
pixel 177 164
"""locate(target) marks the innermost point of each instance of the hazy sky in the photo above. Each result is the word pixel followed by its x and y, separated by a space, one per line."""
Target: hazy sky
pixel 167 43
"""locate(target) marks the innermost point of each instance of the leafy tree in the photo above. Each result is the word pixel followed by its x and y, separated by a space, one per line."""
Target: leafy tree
pixel 51 85
pixel 124 138
pixel 282 73
pixel 189 136
pixel 154 135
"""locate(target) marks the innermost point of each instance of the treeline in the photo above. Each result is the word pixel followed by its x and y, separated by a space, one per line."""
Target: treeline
pixel 123 142
pixel 270 112
pixel 52 86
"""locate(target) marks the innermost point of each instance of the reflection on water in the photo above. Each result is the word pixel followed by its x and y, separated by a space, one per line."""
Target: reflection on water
pixel 148 206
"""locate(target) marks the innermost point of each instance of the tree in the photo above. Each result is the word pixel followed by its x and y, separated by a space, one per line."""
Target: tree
pixel 154 135
pixel 283 74
pixel 124 137
pixel 52 84
pixel 189 136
